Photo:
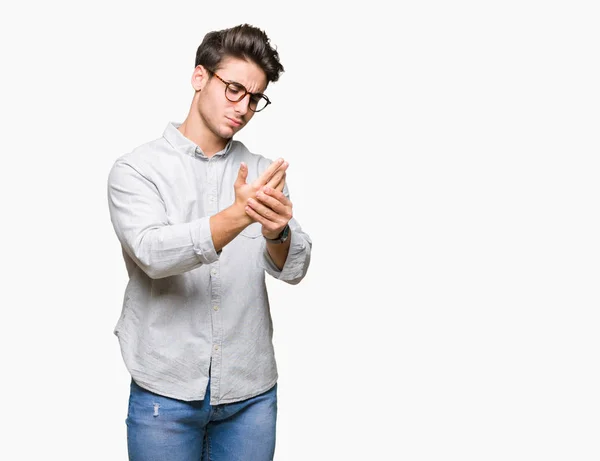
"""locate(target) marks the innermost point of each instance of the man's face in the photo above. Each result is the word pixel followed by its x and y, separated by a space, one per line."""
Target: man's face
pixel 221 116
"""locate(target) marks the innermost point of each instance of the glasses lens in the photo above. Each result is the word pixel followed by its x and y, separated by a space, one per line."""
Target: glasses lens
pixel 258 103
pixel 235 92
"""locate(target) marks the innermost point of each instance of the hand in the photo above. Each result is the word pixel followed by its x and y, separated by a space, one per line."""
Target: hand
pixel 273 177
pixel 272 209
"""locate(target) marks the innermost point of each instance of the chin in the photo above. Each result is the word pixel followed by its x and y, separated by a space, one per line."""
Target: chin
pixel 228 131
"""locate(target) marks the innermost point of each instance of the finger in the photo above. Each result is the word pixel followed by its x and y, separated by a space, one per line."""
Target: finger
pixel 264 211
pixel 278 195
pixel 257 217
pixel 242 175
pixel 278 176
pixel 281 184
pixel 269 172
pixel 272 203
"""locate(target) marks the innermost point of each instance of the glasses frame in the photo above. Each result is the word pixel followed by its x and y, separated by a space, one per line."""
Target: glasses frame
pixel 246 92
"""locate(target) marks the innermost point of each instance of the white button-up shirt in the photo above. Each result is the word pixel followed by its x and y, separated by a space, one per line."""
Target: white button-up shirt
pixel 187 308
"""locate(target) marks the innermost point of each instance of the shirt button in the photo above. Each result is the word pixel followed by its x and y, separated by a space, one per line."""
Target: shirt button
pixel 213 271
pixel 216 348
pixel 216 308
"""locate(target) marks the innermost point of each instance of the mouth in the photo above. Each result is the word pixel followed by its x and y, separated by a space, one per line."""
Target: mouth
pixel 234 122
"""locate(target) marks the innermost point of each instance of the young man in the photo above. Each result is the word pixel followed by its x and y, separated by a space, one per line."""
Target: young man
pixel 201 220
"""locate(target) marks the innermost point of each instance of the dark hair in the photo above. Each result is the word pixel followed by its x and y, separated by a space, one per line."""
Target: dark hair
pixel 243 42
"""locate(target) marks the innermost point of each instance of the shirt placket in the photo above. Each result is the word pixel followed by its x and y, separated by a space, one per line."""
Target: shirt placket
pixel 215 293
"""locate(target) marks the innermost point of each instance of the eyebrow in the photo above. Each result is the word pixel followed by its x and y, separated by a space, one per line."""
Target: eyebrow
pixel 244 86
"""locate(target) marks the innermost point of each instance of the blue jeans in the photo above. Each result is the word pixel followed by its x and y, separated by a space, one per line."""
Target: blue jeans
pixel 165 429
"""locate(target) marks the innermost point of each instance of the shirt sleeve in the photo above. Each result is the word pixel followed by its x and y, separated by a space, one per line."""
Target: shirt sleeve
pixel 140 221
pixel 298 258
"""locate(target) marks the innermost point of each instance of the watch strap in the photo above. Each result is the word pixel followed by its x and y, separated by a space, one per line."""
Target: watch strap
pixel 282 237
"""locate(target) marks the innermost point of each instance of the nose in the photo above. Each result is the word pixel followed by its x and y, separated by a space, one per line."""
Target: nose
pixel 241 107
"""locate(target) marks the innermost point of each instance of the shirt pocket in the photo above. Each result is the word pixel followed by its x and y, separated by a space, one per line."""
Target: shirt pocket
pixel 253 231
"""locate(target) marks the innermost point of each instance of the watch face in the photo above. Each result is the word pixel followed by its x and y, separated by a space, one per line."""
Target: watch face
pixel 283 236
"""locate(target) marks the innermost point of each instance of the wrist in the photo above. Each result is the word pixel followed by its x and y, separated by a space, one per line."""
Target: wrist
pixel 281 237
pixel 239 216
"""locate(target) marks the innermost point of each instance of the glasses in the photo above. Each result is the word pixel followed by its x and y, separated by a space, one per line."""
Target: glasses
pixel 235 92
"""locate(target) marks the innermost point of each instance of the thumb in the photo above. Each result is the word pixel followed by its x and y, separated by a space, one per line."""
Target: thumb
pixel 242 175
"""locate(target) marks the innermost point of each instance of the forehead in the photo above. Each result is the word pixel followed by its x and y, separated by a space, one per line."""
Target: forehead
pixel 245 72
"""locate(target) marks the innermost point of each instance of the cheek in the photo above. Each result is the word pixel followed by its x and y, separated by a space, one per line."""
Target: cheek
pixel 209 109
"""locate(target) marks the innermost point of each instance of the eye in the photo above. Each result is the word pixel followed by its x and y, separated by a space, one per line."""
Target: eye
pixel 235 89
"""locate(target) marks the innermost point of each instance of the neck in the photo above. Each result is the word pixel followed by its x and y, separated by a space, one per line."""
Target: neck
pixel 195 130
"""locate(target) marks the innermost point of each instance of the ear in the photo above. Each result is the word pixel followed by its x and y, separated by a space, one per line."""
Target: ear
pixel 199 78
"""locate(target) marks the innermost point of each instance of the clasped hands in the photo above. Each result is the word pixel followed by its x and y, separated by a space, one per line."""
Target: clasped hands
pixel 263 200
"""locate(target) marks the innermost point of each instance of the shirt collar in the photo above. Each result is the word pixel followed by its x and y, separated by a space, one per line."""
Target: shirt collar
pixel 184 145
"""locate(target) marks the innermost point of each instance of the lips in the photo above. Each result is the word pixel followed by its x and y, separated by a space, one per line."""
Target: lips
pixel 234 122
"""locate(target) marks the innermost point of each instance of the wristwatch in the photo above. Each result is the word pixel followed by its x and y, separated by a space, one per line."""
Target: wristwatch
pixel 282 237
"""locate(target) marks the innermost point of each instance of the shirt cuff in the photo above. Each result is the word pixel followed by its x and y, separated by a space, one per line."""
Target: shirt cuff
pixel 294 264
pixel 202 241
